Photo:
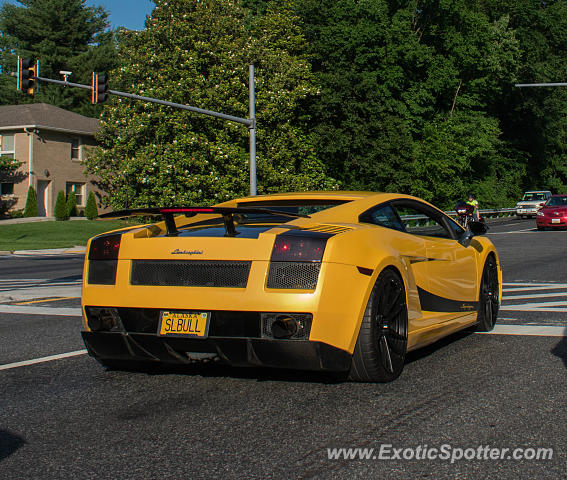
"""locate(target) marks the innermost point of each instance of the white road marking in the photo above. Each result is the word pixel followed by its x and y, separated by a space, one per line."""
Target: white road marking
pixel 524 308
pixel 535 295
pixel 524 292
pixel 59 311
pixel 30 289
pixel 535 330
pixel 527 230
pixel 555 286
pixel 34 361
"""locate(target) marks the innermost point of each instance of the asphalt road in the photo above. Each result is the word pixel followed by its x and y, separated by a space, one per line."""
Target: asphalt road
pixel 69 418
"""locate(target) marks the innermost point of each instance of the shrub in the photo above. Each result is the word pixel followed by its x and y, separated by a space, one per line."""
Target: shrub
pixel 31 209
pixel 61 207
pixel 72 205
pixel 91 212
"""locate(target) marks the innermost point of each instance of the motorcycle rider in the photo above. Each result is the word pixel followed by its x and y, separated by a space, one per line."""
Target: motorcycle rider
pixel 473 202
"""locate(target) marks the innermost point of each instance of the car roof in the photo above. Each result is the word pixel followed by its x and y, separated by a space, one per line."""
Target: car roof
pixel 537 191
pixel 354 202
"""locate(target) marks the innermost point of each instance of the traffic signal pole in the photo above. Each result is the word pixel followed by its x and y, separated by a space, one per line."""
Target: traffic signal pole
pixel 249 122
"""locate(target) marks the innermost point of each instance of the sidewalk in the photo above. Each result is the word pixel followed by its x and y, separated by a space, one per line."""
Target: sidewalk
pixel 78 250
pixel 11 221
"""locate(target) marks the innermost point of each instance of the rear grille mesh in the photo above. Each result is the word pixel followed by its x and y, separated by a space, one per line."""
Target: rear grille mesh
pixel 294 275
pixel 190 273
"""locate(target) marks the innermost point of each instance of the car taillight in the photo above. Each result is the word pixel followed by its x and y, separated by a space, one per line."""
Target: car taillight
pixel 296 260
pixel 105 247
pixel 103 259
pixel 288 248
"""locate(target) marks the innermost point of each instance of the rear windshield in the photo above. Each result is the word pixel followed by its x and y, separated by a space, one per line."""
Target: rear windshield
pixel 556 202
pixel 300 207
pixel 531 197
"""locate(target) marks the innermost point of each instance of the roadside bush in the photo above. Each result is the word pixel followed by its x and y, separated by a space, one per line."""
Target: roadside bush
pixel 31 209
pixel 72 205
pixel 61 207
pixel 91 211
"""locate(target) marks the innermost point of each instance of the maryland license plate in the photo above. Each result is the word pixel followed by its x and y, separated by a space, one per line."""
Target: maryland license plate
pixel 555 220
pixel 183 323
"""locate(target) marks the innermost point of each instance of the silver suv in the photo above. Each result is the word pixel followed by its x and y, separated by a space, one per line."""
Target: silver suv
pixel 531 202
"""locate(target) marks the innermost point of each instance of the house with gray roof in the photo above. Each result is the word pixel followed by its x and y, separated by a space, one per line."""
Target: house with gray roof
pixel 51 143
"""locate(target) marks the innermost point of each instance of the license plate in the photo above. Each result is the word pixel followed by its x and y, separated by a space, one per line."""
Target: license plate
pixel 184 323
pixel 555 220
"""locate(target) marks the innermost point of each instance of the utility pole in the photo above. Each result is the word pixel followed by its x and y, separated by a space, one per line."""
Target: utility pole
pixel 27 74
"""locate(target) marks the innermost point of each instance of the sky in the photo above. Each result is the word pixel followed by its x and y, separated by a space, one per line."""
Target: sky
pixel 123 13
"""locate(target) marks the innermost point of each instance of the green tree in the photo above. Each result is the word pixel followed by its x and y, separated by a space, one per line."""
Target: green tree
pixel 63 35
pixel 8 165
pixel 91 211
pixel 391 73
pixel 61 207
pixel 8 174
pixel 31 209
pixel 72 205
pixel 197 53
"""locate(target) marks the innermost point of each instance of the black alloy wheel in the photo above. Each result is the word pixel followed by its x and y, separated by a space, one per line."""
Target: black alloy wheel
pixel 489 300
pixel 381 346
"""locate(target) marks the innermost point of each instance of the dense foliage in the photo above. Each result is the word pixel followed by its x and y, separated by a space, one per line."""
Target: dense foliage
pixel 197 53
pixel 415 96
pixel 8 174
pixel 63 35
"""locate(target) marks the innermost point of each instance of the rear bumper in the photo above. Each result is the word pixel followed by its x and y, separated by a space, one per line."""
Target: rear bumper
pixel 252 352
pixel 560 222
pixel 532 212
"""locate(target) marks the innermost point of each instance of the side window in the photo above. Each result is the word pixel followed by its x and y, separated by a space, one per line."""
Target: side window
pixel 385 216
pixel 455 227
pixel 75 149
pixel 418 221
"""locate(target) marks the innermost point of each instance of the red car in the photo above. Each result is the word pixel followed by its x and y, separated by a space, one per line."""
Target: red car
pixel 553 214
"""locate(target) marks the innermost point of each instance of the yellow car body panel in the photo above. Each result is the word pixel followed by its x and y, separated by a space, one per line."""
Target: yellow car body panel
pixel 355 255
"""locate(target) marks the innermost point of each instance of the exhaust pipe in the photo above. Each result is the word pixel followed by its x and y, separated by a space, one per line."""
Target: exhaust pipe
pixel 284 327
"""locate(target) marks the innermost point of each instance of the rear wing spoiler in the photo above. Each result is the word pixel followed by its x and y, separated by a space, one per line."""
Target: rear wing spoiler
pixel 169 213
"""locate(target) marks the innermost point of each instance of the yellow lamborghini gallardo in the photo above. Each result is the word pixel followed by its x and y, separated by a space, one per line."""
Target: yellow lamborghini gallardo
pixel 335 281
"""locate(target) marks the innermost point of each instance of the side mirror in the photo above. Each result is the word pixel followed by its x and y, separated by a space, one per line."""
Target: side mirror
pixel 473 229
pixel 478 228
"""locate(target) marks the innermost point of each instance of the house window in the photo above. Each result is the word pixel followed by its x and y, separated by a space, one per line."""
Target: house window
pixel 7 145
pixel 76 149
pixel 6 189
pixel 78 189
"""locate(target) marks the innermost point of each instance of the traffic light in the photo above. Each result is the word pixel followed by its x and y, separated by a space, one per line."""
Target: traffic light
pixel 28 72
pixel 100 87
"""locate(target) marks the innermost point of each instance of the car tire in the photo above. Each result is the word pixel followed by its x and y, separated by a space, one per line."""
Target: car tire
pixel 540 228
pixel 488 298
pixel 380 351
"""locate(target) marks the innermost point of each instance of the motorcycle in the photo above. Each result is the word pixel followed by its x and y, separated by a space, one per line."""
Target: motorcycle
pixel 464 213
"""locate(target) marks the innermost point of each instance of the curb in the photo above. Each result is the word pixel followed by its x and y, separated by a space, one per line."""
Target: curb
pixel 78 250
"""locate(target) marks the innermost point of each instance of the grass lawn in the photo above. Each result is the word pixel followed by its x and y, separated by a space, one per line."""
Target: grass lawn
pixel 40 235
